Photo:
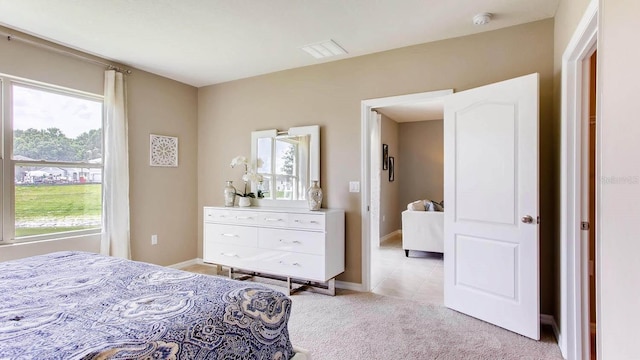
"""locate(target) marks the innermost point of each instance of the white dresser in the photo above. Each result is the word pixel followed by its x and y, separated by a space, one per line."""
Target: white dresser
pixel 297 245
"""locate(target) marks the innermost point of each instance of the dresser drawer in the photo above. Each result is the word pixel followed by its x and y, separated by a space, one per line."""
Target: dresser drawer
pixel 230 216
pixel 231 234
pixel 292 240
pixel 296 265
pixel 218 215
pixel 234 256
pixel 274 219
pixel 307 221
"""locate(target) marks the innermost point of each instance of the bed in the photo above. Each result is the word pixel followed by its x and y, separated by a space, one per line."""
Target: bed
pixel 76 305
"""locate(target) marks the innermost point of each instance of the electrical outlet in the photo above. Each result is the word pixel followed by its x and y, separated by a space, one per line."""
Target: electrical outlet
pixel 354 186
pixel 384 218
pixel 154 239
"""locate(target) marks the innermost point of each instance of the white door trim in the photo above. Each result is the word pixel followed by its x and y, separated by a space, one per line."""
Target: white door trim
pixel 365 171
pixel 572 269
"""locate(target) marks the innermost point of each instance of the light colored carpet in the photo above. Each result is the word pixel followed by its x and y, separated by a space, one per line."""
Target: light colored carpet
pixel 354 325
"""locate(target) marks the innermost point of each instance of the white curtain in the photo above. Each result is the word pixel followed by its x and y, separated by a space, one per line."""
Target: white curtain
pixel 115 179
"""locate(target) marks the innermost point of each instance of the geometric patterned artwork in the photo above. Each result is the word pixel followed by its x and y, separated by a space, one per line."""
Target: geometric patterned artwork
pixel 163 151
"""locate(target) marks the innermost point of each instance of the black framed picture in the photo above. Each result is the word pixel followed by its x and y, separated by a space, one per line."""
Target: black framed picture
pixel 391 165
pixel 385 156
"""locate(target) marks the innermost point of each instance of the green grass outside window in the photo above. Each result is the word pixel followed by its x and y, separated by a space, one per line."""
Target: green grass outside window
pixel 45 203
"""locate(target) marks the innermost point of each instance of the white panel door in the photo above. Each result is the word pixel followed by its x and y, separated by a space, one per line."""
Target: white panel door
pixel 491 204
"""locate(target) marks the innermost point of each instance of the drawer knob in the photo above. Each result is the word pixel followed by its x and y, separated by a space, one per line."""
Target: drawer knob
pixel 292 264
pixel 244 217
pixel 289 242
pixel 272 219
pixel 229 235
pixel 229 255
pixel 310 222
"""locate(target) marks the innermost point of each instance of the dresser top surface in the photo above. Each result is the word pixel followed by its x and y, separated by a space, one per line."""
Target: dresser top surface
pixel 275 209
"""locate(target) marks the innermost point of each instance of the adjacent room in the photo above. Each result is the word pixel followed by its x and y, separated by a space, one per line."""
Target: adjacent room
pixel 318 180
pixel 406 258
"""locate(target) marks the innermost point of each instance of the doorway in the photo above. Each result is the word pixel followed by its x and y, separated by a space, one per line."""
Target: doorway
pixel 369 123
pixel 484 166
pixel 579 104
pixel 407 157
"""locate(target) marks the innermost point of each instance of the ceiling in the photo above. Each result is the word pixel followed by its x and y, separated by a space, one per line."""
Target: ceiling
pixel 417 111
pixel 203 42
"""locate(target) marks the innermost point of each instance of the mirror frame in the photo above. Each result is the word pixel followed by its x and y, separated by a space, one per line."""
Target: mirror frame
pixel 314 159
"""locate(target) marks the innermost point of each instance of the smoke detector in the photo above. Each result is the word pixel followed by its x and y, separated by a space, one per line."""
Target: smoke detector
pixel 482 18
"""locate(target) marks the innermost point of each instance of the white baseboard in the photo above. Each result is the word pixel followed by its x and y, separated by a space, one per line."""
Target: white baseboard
pixel 546 319
pixel 184 264
pixel 390 236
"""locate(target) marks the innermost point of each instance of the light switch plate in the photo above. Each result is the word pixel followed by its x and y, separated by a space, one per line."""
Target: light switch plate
pixel 354 186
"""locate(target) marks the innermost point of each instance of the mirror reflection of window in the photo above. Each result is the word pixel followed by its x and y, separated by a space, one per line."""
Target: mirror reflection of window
pixel 264 156
pixel 286 168
pixel 289 167
pixel 286 160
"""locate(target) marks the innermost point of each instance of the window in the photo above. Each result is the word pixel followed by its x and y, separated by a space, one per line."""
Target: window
pixel 53 139
pixel 281 177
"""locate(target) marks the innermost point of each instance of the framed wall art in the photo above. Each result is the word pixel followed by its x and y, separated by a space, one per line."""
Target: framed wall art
pixel 163 151
pixel 391 170
pixel 385 156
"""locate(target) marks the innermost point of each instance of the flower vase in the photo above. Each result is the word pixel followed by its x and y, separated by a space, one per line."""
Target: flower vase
pixel 229 194
pixel 244 201
pixel 314 196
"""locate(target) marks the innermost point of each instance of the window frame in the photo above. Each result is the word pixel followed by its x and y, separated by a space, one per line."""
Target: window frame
pixel 7 170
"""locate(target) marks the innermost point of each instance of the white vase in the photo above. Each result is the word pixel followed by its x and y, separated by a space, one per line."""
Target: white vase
pixel 314 196
pixel 244 201
pixel 229 194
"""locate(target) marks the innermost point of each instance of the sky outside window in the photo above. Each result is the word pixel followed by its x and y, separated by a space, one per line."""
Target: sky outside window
pixel 39 109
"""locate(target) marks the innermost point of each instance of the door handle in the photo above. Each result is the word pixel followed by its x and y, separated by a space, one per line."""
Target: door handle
pixel 527 219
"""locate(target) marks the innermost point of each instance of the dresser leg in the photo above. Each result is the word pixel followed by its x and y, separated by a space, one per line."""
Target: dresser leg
pixel 326 288
pixel 332 287
pixel 406 253
pixel 290 289
pixel 244 274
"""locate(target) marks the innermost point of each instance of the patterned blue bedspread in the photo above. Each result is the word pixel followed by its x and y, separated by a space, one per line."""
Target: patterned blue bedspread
pixel 75 305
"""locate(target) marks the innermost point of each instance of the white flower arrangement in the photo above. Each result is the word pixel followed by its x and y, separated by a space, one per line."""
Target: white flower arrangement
pixel 239 160
pixel 249 176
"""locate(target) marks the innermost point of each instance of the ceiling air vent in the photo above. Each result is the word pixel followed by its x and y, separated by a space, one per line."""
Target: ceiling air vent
pixel 324 49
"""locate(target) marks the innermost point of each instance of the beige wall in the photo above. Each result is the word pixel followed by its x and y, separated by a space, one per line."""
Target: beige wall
pixel 330 95
pixel 390 219
pixel 163 200
pixel 422 149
